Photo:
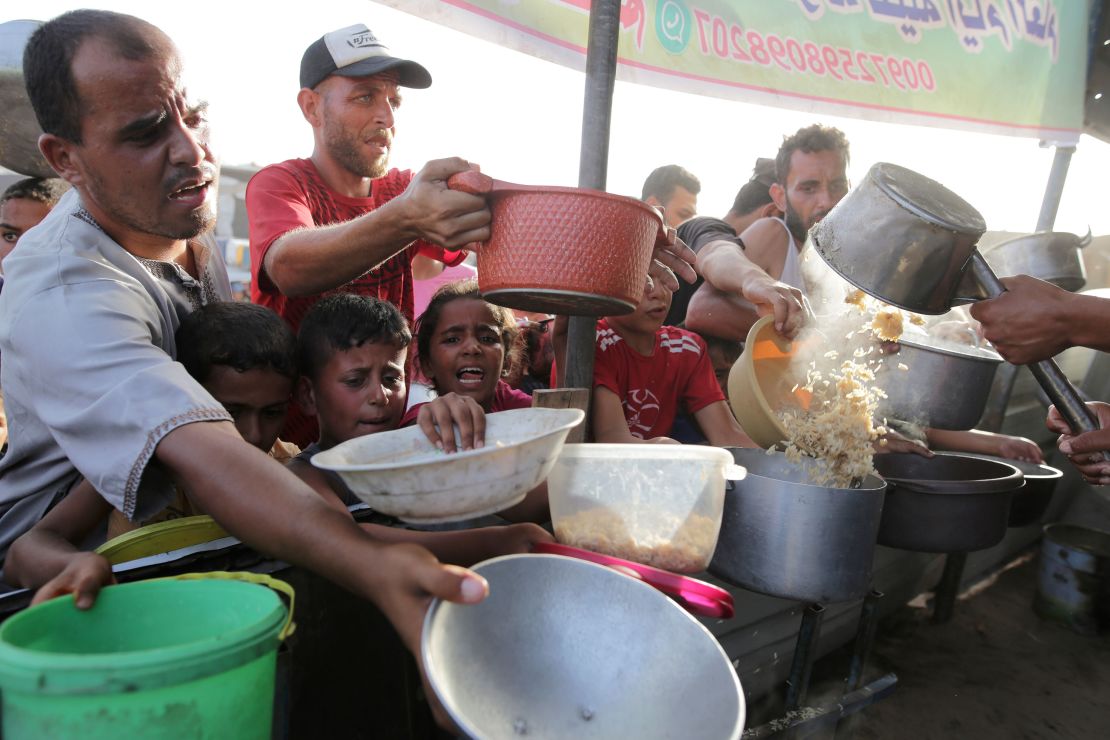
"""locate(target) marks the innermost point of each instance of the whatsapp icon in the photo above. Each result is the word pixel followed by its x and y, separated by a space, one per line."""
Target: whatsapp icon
pixel 673 25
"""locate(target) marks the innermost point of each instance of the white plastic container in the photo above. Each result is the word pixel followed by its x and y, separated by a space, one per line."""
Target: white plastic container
pixel 659 505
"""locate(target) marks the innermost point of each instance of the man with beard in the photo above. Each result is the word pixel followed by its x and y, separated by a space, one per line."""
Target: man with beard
pixel 87 321
pixel 341 220
pixel 810 178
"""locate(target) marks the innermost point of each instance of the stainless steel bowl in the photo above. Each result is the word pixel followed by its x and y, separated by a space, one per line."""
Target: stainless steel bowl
pixel 1052 256
pixel 946 503
pixel 19 130
pixel 941 387
pixel 784 536
pixel 563 648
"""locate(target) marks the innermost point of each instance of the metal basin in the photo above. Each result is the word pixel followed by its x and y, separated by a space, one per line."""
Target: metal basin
pixel 781 535
pixel 563 648
pixel 1073 584
pixel 947 503
pixel 901 237
pixel 942 387
pixel 1030 501
pixel 19 130
pixel 1052 256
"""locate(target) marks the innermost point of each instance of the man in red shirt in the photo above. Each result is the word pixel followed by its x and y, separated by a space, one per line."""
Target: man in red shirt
pixel 341 220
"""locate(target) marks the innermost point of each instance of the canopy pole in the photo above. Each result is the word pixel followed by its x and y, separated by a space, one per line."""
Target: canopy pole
pixel 1055 187
pixel 601 76
pixel 1002 388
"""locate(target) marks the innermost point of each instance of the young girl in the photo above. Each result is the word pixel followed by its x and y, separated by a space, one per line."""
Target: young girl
pixel 467 346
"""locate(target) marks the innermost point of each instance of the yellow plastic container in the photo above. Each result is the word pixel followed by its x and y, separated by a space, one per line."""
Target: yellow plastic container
pixel 761 384
pixel 160 537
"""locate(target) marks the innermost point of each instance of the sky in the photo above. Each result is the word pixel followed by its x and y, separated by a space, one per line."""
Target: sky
pixel 520 117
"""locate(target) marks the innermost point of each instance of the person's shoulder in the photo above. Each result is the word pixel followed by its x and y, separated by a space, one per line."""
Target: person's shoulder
pixel 289 172
pixel 507 398
pixel 700 229
pixel 765 232
pixel 675 340
pixel 607 337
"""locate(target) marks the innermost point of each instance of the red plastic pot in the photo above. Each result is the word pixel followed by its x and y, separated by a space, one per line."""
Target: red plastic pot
pixel 564 250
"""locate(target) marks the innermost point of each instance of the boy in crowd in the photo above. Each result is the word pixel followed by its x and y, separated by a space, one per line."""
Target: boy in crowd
pixel 351 354
pixel 23 205
pixel 244 356
pixel 645 373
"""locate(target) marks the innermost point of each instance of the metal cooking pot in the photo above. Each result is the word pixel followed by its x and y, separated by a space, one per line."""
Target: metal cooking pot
pixel 946 503
pixel 1030 501
pixel 784 536
pixel 941 387
pixel 902 238
pixel 564 250
pixel 19 130
pixel 1052 256
pixel 563 648
pixel 909 241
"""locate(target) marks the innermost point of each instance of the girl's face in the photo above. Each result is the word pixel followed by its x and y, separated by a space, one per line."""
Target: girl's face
pixel 466 354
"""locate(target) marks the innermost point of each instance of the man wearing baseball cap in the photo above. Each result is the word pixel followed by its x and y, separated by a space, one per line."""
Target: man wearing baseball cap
pixel 341 219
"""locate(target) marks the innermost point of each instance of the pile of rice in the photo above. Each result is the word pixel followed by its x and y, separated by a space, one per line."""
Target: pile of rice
pixel 838 428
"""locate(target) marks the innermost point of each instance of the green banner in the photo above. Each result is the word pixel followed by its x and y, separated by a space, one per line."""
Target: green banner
pixel 1005 66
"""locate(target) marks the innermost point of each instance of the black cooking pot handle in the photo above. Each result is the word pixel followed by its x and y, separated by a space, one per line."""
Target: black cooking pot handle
pixel 1063 394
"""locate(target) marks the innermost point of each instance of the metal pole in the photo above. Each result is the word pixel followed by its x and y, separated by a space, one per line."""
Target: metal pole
pixel 1055 187
pixel 805 652
pixel 949 587
pixel 601 76
pixel 865 638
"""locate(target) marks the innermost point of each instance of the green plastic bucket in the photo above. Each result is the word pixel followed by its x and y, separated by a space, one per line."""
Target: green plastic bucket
pixel 192 657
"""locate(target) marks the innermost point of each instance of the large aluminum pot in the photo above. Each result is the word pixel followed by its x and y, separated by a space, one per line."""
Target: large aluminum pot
pixel 784 536
pixel 19 130
pixel 1052 256
pixel 909 241
pixel 946 503
pixel 1031 500
pixel 901 237
pixel 564 250
pixel 563 648
pixel 945 387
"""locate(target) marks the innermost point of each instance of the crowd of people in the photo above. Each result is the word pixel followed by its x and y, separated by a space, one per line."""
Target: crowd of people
pixel 136 391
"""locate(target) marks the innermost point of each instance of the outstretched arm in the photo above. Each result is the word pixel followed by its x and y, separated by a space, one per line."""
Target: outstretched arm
pixel 312 260
pixel 257 500
pixel 46 557
pixel 724 265
pixel 1034 320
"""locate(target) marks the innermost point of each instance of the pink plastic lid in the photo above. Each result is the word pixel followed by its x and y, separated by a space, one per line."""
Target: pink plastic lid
pixel 697 597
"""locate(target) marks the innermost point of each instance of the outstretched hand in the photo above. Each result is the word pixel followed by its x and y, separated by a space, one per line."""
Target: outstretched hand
pixel 83 577
pixel 679 260
pixel 441 416
pixel 435 213
pixel 785 302
pixel 1030 322
pixel 1084 451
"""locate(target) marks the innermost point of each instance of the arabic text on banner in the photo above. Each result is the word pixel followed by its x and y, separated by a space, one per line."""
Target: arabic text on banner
pixel 1005 66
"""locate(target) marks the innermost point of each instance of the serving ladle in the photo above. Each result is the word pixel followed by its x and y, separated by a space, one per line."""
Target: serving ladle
pixel 910 242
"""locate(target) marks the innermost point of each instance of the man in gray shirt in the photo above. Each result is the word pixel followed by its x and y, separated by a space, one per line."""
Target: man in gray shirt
pixel 87 320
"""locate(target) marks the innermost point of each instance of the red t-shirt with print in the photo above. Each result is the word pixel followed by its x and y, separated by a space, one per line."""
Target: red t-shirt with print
pixel 678 375
pixel 505 397
pixel 292 195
